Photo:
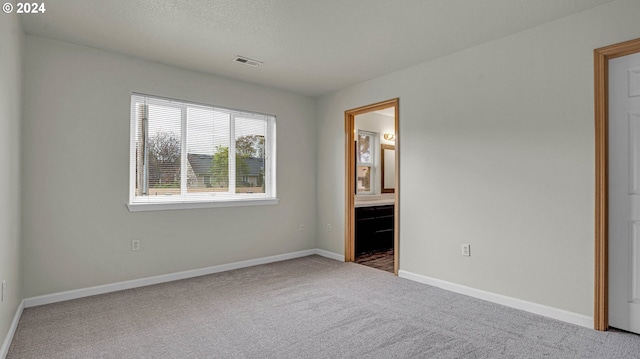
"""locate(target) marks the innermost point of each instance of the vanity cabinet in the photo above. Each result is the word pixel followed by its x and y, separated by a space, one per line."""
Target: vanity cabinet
pixel 374 228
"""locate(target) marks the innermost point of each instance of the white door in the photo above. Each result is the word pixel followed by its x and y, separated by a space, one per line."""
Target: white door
pixel 624 193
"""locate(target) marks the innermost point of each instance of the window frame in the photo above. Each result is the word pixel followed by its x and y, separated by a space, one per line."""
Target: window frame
pixel 209 200
pixel 373 145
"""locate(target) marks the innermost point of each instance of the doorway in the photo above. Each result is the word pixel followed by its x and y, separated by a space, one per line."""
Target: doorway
pixel 602 198
pixel 372 185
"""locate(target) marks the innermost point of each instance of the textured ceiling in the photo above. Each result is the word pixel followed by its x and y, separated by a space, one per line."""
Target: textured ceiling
pixel 308 46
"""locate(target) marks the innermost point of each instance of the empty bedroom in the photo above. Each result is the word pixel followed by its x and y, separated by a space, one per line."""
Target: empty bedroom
pixel 319 179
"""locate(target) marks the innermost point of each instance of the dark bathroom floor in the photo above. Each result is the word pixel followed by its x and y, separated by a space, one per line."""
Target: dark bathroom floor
pixel 377 259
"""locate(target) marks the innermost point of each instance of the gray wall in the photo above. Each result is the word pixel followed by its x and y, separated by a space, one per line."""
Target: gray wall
pixel 11 42
pixel 77 231
pixel 497 150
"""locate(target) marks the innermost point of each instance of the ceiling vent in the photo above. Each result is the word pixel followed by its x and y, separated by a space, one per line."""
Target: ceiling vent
pixel 247 61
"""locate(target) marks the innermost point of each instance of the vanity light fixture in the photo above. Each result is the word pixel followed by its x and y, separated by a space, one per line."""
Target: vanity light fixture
pixel 390 136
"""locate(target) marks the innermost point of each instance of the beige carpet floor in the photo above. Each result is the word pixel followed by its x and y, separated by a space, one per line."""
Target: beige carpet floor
pixel 309 307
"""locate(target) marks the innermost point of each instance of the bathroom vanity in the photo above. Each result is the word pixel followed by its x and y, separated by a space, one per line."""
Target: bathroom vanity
pixel 374 227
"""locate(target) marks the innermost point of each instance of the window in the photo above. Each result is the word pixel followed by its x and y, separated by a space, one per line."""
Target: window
pixel 188 155
pixel 367 143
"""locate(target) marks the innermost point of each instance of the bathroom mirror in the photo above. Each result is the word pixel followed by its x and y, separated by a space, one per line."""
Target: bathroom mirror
pixel 388 159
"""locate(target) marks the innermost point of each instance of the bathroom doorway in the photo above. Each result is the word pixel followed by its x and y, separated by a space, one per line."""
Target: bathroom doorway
pixel 372 174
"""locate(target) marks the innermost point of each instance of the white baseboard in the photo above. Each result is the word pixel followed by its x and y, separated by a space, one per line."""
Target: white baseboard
pixel 550 312
pixel 135 283
pixel 331 255
pixel 4 350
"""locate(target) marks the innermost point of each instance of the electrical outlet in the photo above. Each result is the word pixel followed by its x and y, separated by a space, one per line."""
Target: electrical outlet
pixel 301 227
pixel 135 245
pixel 466 249
pixel 328 227
pixel 4 290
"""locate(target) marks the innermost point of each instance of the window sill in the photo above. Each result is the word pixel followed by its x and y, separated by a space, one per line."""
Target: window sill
pixel 165 206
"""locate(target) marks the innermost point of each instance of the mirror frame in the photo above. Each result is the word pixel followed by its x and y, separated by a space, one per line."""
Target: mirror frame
pixel 384 147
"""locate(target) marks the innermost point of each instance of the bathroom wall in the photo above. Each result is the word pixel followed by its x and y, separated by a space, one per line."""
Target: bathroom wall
pixel 375 122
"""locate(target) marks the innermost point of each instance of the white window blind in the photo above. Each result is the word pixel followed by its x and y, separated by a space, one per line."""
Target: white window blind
pixel 184 152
